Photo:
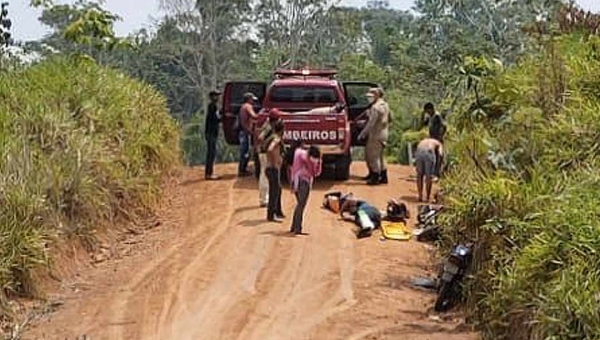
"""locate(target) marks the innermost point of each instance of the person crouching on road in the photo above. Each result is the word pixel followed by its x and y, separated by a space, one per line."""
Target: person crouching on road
pixel 306 166
pixel 264 139
pixel 376 132
pixel 428 151
pixel 273 171
pixel 247 117
pixel 211 133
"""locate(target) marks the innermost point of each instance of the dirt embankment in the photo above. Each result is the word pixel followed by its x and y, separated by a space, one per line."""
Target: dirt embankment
pixel 215 269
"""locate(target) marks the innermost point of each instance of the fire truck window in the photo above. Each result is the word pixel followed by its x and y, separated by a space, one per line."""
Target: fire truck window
pixel 238 91
pixel 304 95
pixel 357 96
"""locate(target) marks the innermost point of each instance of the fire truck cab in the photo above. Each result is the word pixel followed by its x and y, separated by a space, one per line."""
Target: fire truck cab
pixel 305 99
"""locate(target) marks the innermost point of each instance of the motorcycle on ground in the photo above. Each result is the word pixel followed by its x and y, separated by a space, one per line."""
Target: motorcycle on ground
pixel 428 228
pixel 452 274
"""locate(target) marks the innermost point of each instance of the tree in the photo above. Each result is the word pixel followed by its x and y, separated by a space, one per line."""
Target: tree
pixel 81 28
pixel 297 28
pixel 5 25
pixel 211 27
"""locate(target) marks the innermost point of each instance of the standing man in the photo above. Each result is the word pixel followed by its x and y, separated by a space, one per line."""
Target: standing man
pixel 211 133
pixel 247 117
pixel 428 151
pixel 264 139
pixel 376 132
pixel 273 171
pixel 437 131
pixel 435 122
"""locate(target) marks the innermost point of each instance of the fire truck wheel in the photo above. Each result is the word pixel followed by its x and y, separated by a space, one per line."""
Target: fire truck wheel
pixel 342 168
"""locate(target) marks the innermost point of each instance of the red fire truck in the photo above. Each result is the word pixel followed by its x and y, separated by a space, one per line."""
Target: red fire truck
pixel 295 93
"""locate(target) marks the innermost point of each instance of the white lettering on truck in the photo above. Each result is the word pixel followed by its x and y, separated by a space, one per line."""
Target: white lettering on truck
pixel 308 135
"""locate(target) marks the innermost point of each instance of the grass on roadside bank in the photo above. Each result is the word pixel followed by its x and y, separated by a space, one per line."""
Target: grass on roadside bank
pixel 82 146
pixel 527 189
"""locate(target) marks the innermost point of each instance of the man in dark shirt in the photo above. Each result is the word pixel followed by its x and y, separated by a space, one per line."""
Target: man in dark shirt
pixel 435 121
pixel 437 130
pixel 211 133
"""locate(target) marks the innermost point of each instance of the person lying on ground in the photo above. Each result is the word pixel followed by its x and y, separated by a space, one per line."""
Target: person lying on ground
pixel 428 151
pixel 365 216
pixel 306 166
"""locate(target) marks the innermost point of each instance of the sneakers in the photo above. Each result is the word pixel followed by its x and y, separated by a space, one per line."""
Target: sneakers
pixel 212 178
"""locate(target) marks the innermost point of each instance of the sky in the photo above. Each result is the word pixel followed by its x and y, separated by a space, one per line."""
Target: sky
pixel 138 14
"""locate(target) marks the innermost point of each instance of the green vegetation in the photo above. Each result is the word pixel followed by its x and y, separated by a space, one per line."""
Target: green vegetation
pixel 413 55
pixel 85 145
pixel 526 188
pixel 82 147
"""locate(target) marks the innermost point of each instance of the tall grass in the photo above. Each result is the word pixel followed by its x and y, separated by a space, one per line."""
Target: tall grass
pixel 82 147
pixel 527 190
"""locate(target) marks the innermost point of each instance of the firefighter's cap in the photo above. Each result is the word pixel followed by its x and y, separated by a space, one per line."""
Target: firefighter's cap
pixel 250 95
pixel 375 91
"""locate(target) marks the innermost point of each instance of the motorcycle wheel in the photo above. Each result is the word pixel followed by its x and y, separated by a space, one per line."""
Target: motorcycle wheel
pixel 445 297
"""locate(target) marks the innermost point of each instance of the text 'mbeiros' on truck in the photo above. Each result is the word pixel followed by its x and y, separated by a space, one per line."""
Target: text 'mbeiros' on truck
pixel 306 99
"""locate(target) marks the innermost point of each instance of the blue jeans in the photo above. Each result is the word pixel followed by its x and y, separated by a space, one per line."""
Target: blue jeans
pixel 302 197
pixel 244 139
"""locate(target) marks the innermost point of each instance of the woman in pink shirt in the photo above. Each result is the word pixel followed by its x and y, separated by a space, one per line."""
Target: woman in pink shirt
pixel 306 166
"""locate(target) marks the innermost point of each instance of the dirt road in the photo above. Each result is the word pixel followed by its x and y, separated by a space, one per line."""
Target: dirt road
pixel 215 269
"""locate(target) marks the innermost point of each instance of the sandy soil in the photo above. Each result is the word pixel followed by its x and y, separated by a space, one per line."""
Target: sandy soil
pixel 215 269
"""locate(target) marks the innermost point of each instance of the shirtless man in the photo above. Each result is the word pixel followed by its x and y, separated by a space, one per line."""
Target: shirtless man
pixel 273 171
pixel 428 151
pixel 247 119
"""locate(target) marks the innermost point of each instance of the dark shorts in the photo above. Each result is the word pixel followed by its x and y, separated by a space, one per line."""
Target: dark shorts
pixel 425 163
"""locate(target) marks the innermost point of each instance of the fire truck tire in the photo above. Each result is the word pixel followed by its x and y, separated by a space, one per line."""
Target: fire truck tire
pixel 342 168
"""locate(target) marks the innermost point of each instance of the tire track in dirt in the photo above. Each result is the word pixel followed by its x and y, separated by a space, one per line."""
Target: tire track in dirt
pixel 164 275
pixel 228 274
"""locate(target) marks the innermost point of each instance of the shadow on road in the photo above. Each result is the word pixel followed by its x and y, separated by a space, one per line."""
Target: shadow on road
pixel 410 199
pixel 279 233
pixel 246 208
pixel 254 223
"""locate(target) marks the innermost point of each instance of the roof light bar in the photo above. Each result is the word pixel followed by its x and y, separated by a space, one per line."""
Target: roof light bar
pixel 305 72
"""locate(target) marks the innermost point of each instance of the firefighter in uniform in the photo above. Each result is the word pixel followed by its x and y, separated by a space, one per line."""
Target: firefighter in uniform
pixel 376 132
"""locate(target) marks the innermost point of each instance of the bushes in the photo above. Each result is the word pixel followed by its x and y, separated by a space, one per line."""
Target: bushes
pixel 527 189
pixel 82 147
